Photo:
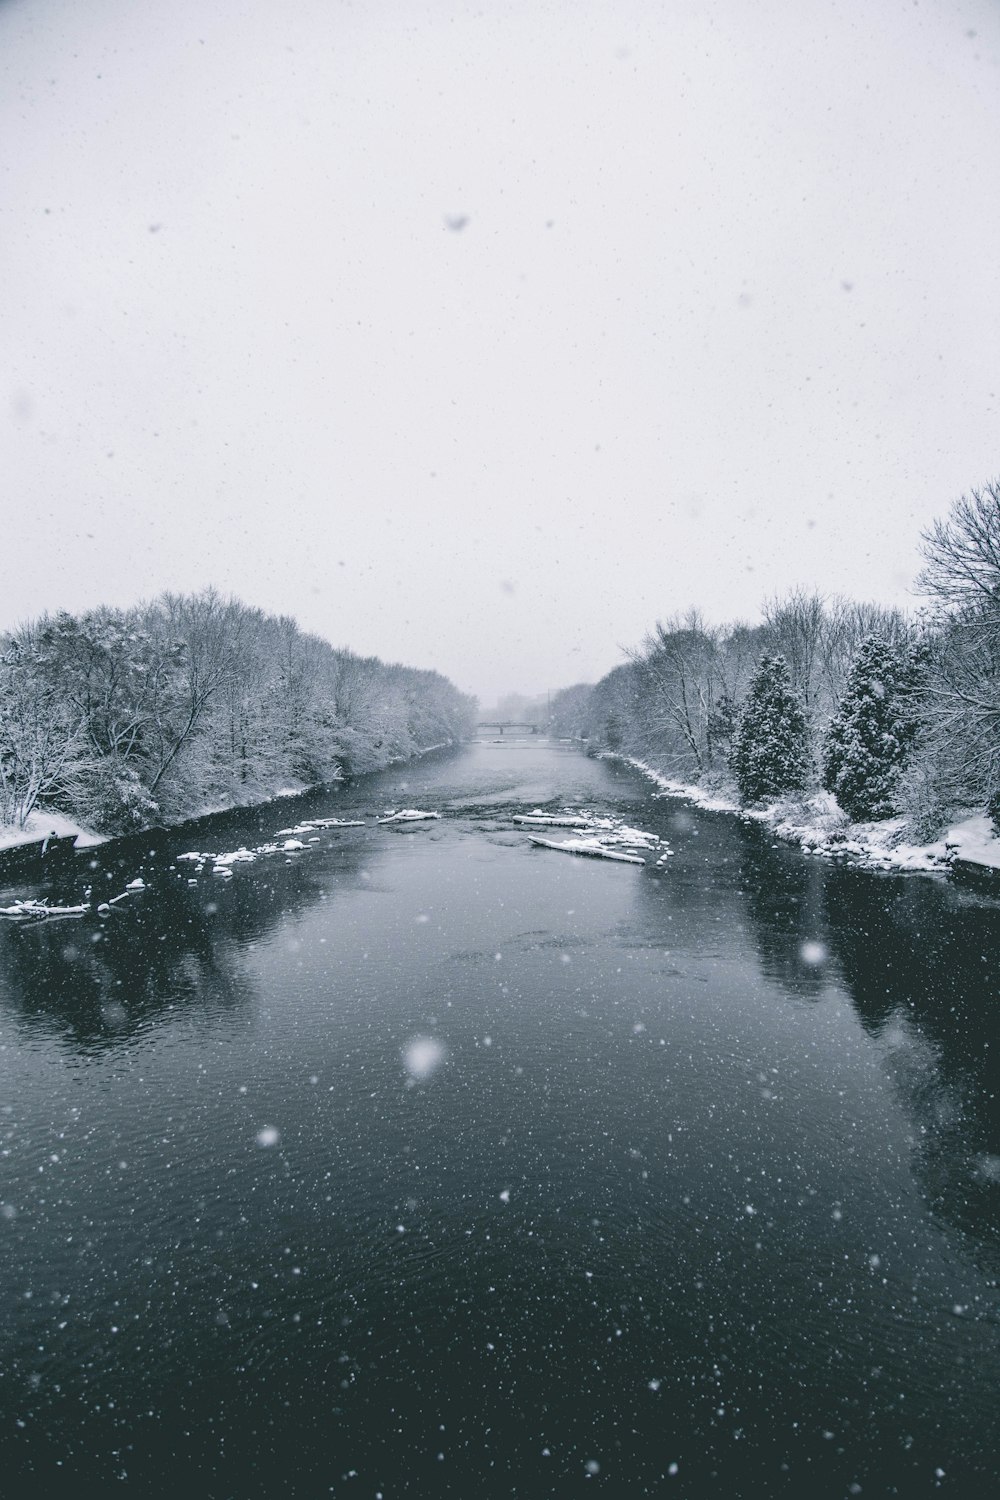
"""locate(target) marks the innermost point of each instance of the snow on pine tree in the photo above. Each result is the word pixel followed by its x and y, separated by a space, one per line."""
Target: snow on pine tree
pixel 770 753
pixel 869 737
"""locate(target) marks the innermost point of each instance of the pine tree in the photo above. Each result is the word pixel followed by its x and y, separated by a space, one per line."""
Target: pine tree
pixel 771 747
pixel 870 736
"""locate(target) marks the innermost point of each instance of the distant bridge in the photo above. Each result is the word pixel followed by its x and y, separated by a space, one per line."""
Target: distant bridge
pixel 508 724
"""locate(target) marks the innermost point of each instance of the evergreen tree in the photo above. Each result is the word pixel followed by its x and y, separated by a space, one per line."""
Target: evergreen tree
pixel 870 736
pixel 771 748
pixel 722 725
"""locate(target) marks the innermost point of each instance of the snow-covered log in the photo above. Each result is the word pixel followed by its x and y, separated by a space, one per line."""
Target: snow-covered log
pixel 407 815
pixel 23 911
pixel 542 820
pixel 588 847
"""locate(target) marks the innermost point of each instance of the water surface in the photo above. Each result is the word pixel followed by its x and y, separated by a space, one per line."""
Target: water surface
pixel 698 1191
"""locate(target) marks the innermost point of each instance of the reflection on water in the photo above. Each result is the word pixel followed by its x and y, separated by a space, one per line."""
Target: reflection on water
pixel 179 946
pixel 425 1162
pixel 919 959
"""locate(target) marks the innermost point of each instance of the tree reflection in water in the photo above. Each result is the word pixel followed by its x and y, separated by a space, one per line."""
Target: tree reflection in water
pixel 913 954
pixel 175 948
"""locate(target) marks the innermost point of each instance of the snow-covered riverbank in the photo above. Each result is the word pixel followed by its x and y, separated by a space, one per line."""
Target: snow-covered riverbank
pixel 821 828
pixel 45 824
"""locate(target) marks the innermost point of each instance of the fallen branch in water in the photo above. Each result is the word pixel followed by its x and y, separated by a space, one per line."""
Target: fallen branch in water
pixel 24 911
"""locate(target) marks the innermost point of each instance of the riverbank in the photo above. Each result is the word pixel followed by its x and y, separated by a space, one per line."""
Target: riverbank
pixel 45 824
pixel 819 826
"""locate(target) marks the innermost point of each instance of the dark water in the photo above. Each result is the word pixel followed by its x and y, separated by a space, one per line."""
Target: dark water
pixel 680 1212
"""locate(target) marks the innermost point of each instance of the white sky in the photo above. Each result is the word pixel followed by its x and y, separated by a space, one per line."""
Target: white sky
pixel 724 317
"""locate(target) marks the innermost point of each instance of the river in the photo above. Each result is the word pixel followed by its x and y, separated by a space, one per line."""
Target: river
pixel 426 1162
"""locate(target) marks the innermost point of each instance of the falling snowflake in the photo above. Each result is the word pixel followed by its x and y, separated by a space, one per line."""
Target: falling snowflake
pixel 422 1056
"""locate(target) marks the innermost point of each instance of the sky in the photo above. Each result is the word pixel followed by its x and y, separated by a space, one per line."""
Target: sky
pixel 480 336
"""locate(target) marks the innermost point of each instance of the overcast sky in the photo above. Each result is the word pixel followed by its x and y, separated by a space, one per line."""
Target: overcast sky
pixel 724 316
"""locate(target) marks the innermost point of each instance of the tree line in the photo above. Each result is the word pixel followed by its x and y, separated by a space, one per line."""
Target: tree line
pixel 891 713
pixel 127 718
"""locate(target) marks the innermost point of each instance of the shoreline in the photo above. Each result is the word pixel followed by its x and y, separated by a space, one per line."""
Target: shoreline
pixel 818 826
pixel 43 824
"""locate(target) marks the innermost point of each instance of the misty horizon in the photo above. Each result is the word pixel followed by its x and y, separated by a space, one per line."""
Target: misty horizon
pixel 483 343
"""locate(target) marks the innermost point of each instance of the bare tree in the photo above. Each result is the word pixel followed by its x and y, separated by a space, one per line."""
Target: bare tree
pixel 42 736
pixel 962 558
pixel 794 628
pixel 678 673
pixel 962 692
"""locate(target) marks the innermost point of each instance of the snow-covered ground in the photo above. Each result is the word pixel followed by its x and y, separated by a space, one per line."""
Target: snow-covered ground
pixel 712 801
pixel 42 825
pixel 821 828
pixel 975 842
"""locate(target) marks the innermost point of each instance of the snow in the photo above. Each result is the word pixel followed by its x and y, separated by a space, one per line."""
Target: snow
pixel 239 856
pixel 308 824
pixel 543 820
pixel 25 910
pixel 422 1056
pixel 668 787
pixel 291 844
pixel 406 815
pixel 593 847
pixel 975 841
pixel 819 826
pixel 609 838
pixel 44 824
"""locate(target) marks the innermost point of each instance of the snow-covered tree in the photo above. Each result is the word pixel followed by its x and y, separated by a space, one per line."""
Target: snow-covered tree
pixel 962 692
pixel 124 717
pixel 871 734
pixel 677 678
pixel 771 749
pixel 43 751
